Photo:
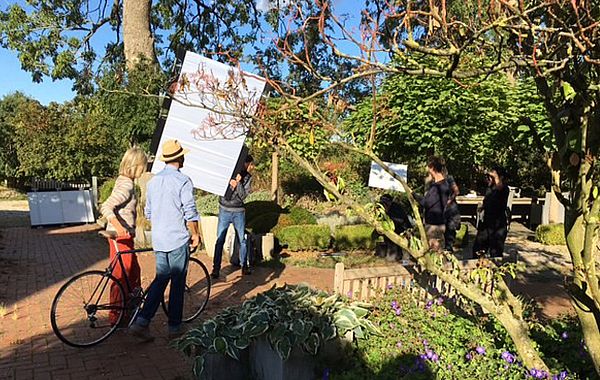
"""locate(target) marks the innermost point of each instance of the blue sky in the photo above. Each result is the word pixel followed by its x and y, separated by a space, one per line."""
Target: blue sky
pixel 15 79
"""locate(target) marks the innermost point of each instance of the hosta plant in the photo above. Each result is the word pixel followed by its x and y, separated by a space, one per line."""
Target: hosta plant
pixel 288 317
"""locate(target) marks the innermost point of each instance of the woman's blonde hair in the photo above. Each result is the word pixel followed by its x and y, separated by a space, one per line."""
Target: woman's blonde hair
pixel 133 163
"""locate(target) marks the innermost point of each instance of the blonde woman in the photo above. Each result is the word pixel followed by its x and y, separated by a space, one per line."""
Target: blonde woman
pixel 120 212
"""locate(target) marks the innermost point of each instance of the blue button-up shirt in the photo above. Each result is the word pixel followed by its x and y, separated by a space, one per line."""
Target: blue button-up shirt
pixel 169 205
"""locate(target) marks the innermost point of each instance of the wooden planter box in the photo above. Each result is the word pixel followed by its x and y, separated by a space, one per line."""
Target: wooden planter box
pixel 266 364
pixel 261 362
pixel 218 366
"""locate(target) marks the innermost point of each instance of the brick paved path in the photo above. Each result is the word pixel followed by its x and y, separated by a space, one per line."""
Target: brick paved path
pixel 34 263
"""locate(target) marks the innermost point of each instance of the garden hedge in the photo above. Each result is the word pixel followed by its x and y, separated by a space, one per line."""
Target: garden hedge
pixel 304 236
pixel 550 234
pixel 359 236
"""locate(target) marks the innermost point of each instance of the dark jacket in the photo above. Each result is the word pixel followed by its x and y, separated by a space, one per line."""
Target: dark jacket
pixel 434 203
pixel 494 207
pixel 234 201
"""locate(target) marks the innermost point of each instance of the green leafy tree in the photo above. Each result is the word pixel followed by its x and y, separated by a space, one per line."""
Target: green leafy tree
pixel 473 124
pixel 9 161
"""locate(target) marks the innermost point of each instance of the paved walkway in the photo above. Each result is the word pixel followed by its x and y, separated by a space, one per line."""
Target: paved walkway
pixel 34 263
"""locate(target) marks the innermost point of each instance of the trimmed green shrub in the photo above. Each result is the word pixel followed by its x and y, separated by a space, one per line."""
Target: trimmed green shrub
pixel 258 196
pixel 358 236
pixel 462 235
pixel 550 234
pixel 299 215
pixel 304 236
pixel 106 189
pixel 208 204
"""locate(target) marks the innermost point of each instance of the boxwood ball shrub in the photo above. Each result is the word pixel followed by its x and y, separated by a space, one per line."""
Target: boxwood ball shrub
pixel 550 234
pixel 304 237
pixel 299 215
pixel 358 236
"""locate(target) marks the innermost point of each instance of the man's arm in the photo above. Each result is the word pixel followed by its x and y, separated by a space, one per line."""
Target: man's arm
pixel 195 238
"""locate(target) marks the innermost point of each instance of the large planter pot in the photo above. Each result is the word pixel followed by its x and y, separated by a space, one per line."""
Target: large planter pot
pixel 266 246
pixel 208 226
pixel 266 364
pixel 219 366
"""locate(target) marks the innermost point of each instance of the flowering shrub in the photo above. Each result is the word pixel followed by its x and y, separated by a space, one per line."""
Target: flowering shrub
pixel 425 341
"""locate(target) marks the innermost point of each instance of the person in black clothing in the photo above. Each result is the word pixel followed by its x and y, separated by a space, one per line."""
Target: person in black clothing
pixel 492 229
pixel 400 220
pixel 434 204
pixel 395 212
pixel 452 214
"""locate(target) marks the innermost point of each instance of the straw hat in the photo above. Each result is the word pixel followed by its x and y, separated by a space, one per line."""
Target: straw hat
pixel 172 150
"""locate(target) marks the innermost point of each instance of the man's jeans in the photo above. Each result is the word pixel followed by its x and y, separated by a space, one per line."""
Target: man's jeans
pixel 238 218
pixel 171 266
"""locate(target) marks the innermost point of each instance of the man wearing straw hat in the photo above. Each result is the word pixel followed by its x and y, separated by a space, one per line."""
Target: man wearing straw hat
pixel 171 208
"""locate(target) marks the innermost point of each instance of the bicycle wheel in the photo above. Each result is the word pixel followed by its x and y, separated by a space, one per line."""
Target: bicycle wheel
pixel 80 311
pixel 197 291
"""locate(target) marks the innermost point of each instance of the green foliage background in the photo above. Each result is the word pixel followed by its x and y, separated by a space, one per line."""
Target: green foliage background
pixel 473 125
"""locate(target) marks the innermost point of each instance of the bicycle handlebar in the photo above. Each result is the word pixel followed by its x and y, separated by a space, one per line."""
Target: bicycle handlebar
pixel 113 235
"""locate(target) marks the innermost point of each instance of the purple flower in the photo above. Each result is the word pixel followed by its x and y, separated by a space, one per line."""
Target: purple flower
pixel 435 358
pixel 394 305
pixel 508 357
pixel 399 344
pixel 538 374
pixel 349 293
pixel 390 286
pixel 468 356
pixel 429 354
pixel 561 376
pixel 480 350
pixel 440 300
pixel 425 342
pixel 428 304
pixel 564 335
pixel 398 311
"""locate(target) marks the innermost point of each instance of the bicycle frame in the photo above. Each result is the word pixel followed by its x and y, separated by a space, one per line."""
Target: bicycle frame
pixel 111 266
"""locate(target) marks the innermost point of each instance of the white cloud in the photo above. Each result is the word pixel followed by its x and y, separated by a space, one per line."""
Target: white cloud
pixel 266 5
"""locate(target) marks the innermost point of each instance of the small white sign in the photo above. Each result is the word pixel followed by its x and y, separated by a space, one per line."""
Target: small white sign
pixel 212 105
pixel 379 178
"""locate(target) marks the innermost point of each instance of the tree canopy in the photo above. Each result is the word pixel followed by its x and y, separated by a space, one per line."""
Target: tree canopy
pixel 473 125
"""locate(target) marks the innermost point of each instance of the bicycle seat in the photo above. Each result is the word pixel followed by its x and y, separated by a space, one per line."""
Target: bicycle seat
pixel 108 234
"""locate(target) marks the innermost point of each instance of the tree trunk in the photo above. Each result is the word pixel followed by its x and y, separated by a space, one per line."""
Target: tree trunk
pixel 275 177
pixel 137 37
pixel 583 301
